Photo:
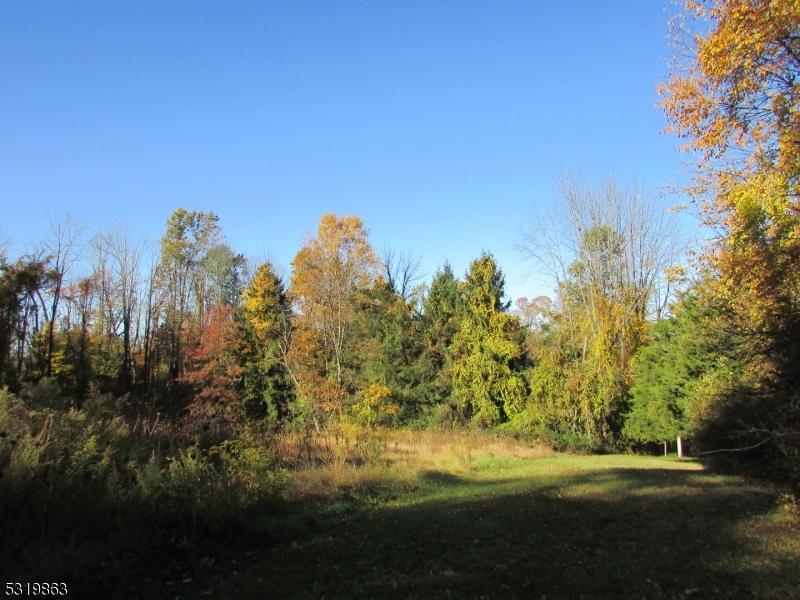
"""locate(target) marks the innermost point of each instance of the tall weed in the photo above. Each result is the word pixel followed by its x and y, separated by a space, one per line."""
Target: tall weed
pixel 68 470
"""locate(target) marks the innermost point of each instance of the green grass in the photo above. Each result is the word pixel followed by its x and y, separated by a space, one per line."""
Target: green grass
pixel 491 525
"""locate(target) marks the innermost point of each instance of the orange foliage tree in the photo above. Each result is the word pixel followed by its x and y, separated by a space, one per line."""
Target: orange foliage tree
pixel 328 273
pixel 216 372
pixel 734 96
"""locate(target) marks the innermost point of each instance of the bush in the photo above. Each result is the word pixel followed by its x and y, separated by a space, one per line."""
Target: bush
pixel 68 471
pixel 440 416
pixel 530 427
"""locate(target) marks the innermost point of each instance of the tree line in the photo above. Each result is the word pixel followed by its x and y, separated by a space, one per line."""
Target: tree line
pixel 202 333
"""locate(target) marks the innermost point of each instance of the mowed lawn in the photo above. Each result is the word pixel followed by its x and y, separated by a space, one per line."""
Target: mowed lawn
pixel 453 521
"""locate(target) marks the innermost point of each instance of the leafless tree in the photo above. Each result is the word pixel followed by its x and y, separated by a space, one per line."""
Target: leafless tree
pixel 150 304
pixel 62 246
pixel 403 271
pixel 121 256
pixel 616 241
pixel 5 242
pixel 530 312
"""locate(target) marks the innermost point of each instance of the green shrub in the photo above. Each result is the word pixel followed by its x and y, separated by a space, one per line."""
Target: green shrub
pixel 67 470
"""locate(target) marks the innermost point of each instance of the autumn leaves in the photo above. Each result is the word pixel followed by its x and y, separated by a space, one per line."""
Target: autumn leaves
pixel 357 348
pixel 328 273
pixel 734 98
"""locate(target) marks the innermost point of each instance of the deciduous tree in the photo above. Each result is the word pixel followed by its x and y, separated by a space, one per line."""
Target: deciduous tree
pixel 733 96
pixel 19 284
pixel 327 274
pixel 215 370
pixel 402 271
pixel 733 93
pixel 608 249
pixel 62 247
pixel 188 238
pixel 121 256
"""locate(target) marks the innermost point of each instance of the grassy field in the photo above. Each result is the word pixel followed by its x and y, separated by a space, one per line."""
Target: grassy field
pixel 469 516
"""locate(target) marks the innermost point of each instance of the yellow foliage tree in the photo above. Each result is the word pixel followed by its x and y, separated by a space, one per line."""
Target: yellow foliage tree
pixel 265 306
pixel 375 401
pixel 734 96
pixel 327 274
pixel 733 93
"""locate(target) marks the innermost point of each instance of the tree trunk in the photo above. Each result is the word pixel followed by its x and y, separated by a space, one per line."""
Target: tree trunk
pixel 51 332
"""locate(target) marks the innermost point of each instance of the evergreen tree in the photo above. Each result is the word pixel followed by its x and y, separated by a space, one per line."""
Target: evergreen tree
pixel 682 377
pixel 442 309
pixel 264 320
pixel 391 346
pixel 487 349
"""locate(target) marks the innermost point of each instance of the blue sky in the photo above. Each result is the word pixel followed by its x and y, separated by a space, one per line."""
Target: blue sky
pixel 439 123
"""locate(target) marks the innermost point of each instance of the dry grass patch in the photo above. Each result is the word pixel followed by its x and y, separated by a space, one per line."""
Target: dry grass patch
pixel 359 463
pixel 455 448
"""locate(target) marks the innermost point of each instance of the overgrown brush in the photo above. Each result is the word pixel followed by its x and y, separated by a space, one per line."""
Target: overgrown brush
pixel 83 483
pixel 70 473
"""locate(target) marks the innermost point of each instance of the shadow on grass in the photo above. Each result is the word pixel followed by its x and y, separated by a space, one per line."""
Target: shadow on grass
pixel 442 478
pixel 611 533
pixel 616 533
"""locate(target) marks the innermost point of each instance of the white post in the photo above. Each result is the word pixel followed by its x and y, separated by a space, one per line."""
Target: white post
pixel 665 448
pixel 680 446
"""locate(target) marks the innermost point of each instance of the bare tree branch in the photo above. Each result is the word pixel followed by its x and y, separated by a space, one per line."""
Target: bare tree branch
pixel 403 271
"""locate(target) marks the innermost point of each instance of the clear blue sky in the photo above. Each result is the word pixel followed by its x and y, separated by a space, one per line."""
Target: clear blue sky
pixel 439 123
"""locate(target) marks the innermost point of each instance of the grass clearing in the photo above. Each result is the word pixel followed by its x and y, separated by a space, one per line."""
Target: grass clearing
pixel 467 515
